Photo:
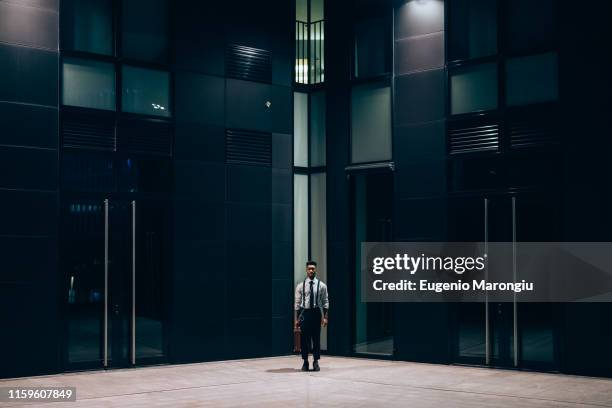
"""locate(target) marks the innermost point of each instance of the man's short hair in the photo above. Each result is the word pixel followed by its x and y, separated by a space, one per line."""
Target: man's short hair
pixel 313 263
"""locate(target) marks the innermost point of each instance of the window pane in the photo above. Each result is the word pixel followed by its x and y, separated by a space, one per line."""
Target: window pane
pixel 318 232
pixel 146 91
pixel 370 48
pixel 300 129
pixel 88 84
pixel 531 79
pixel 300 226
pixel 530 25
pixel 370 123
pixel 145 30
pixel 474 89
pixel 317 129
pixel 473 28
pixel 88 26
pixel 301 10
pixel 317 10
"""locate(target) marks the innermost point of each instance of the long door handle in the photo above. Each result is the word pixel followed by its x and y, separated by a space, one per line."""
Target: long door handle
pixel 105 283
pixel 133 348
pixel 514 277
pixel 486 245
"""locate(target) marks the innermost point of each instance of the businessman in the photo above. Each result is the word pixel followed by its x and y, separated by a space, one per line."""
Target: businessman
pixel 310 299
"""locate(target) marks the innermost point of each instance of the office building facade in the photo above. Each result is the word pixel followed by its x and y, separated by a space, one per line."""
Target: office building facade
pixel 169 166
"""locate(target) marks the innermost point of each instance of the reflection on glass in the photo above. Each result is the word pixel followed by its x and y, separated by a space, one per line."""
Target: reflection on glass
pixel 83 226
pixel 317 129
pixel 474 89
pixel 87 26
pixel 373 195
pixel 83 172
pixel 144 35
pixel 370 123
pixel 531 79
pixel 473 28
pixel 370 48
pixel 146 91
pixel 300 129
pixel 88 84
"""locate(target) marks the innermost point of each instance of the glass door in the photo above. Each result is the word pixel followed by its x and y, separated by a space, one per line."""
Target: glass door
pixel 115 257
pixel 508 334
pixel 484 330
pixel 372 219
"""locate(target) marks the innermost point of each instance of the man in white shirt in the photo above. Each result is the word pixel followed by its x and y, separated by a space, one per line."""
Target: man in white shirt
pixel 310 298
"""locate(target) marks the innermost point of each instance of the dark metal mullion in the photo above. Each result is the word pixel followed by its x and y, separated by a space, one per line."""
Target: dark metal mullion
pixel 117 50
pixel 504 145
pixel 308 81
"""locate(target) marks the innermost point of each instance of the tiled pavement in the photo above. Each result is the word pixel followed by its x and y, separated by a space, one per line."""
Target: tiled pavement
pixel 277 382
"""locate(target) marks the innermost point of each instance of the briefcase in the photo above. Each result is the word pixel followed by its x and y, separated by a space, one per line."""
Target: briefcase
pixel 297 340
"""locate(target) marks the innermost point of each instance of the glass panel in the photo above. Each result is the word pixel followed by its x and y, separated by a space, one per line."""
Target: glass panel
pixel 83 234
pixel 318 232
pixel 301 52
pixel 317 11
pixel 370 123
pixel 371 48
pixel 474 89
pixel 473 28
pixel 146 91
pixel 317 129
pixel 317 51
pixel 529 25
pixel 471 331
pixel 300 225
pixel 88 26
pixel 88 84
pixel 531 79
pixel 151 269
pixel 145 30
pixel 85 172
pixel 300 129
pixel 143 175
pixel 373 195
pixel 537 337
pixel 301 10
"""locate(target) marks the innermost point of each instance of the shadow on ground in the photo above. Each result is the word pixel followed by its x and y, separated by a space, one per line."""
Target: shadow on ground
pixel 284 370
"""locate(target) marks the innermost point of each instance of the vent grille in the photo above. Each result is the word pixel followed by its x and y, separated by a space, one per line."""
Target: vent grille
pixel 145 137
pixel 88 131
pixel 252 64
pixel 474 138
pixel 531 133
pixel 247 147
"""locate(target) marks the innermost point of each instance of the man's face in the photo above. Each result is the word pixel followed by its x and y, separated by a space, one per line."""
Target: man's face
pixel 311 271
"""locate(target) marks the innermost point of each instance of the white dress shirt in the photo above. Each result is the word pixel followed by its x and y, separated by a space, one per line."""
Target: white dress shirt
pixel 321 299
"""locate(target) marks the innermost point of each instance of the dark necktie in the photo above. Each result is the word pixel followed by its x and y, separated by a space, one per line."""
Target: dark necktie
pixel 311 295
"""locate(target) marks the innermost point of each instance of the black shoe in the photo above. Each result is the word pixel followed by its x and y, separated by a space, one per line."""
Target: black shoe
pixel 315 366
pixel 305 365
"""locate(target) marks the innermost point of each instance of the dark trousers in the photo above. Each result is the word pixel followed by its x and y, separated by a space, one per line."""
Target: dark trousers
pixel 311 333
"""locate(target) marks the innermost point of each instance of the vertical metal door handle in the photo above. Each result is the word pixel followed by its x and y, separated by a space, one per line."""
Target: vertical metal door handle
pixel 486 245
pixel 105 283
pixel 514 278
pixel 133 349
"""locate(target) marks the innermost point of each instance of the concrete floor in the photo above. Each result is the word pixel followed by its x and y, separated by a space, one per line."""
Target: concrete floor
pixel 277 382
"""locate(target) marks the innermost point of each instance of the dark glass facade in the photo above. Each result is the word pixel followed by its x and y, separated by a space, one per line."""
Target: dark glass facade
pixel 158 156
